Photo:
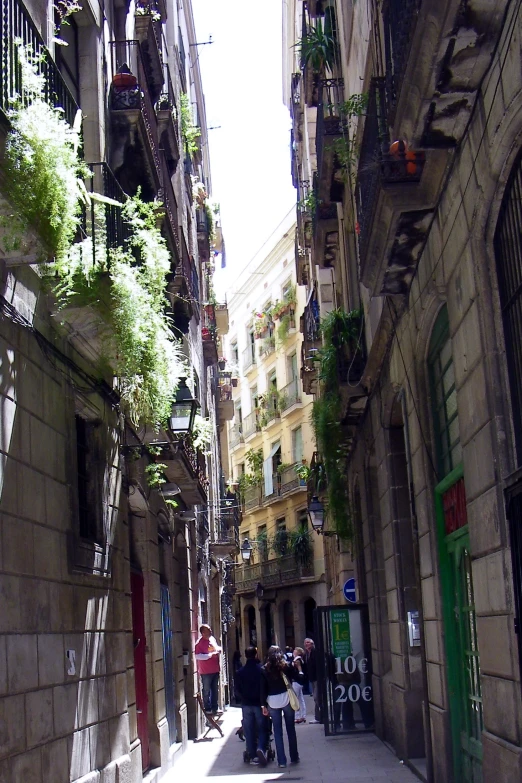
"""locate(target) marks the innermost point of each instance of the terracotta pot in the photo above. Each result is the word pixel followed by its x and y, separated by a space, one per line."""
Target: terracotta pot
pixel 124 81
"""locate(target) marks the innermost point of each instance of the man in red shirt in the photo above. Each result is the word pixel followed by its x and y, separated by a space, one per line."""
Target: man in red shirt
pixel 207 655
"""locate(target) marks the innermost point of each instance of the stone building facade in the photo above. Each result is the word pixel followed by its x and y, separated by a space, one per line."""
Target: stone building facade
pixel 276 591
pixel 418 225
pixel 107 519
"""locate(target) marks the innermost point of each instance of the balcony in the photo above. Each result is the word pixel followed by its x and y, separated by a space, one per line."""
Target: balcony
pixel 290 481
pixel 325 243
pixel 417 44
pixel 85 325
pixel 17 24
pixel 167 114
pixel 249 359
pixel 272 573
pixel 170 205
pixel 182 290
pixel 225 402
pixel 209 338
pixel 269 404
pixel 225 536
pixel 236 436
pixel 203 231
pixel 393 194
pixel 251 425
pixel 222 318
pixel 267 346
pixel 134 132
pixel 289 395
pixel 147 26
pixel 301 262
pixel 186 468
pixel 329 131
pixel 310 346
pixel 252 498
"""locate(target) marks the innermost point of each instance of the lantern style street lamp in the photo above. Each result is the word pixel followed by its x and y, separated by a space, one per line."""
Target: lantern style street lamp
pixel 184 409
pixel 316 514
pixel 246 550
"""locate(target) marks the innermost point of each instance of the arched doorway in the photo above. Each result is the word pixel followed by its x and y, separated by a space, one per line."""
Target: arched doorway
pixel 249 616
pixel 288 624
pixel 309 607
pixel 269 626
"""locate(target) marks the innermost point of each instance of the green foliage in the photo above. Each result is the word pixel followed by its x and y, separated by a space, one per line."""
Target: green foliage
pixel 155 474
pixel 301 546
pixel 189 131
pixel 309 203
pixel 146 359
pixel 41 170
pixel 303 471
pixel 203 432
pixel 340 331
pixel 171 503
pixel 282 467
pixel 345 147
pixel 280 543
pixel 254 476
pixel 210 222
pixel 285 323
pixel 318 48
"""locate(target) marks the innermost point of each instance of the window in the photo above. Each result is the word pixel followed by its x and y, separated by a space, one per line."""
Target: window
pixel 302 519
pixel 297 444
pixel 234 353
pixel 444 397
pixel 90 462
pixel 287 288
pixel 262 542
pixel 254 396
pixel 67 56
pixel 291 367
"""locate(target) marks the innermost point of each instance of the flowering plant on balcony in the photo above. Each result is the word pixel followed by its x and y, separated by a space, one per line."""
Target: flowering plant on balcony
pixel 42 172
pixel 148 8
pixel 189 130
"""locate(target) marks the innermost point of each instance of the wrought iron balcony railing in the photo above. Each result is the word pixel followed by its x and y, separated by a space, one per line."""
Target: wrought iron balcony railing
pixel 272 573
pixel 249 358
pixel 399 19
pixel 236 436
pixel 252 497
pixel 17 25
pixel 251 424
pixel 380 162
pixel 330 124
pixel 290 395
pixel 127 55
pixel 311 343
pixel 116 230
pixel 290 480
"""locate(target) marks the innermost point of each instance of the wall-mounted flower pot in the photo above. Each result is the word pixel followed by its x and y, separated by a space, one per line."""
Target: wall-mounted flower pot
pixel 124 81
pixel 222 365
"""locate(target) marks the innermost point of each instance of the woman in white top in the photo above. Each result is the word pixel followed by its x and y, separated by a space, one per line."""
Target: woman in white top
pixel 300 715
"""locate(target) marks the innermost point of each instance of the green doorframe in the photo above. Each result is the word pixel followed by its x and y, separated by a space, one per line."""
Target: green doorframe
pixel 446 545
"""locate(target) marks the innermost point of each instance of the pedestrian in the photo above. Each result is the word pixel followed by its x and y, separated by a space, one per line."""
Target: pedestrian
pixel 289 654
pixel 248 685
pixel 207 655
pixel 277 678
pixel 298 656
pixel 236 665
pixel 311 668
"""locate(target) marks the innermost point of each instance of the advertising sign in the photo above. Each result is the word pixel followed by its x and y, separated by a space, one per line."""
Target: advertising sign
pixel 344 669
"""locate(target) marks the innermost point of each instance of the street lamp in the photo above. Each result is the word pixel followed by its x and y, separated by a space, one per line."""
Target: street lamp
pixel 316 514
pixel 184 409
pixel 246 550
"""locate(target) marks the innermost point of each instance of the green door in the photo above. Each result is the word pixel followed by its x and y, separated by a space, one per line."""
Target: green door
pixel 463 664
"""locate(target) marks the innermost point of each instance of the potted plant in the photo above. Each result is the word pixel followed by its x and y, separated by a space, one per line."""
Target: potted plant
pixel 222 362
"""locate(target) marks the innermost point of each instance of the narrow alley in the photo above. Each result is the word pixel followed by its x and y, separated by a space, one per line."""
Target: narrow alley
pixel 356 758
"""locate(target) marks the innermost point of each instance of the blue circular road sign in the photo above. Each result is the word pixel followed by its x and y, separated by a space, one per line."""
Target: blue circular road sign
pixel 349 591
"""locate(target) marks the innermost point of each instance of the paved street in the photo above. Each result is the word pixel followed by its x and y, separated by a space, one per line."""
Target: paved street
pixel 356 759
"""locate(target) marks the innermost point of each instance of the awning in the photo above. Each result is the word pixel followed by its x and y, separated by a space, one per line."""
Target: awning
pixel 268 469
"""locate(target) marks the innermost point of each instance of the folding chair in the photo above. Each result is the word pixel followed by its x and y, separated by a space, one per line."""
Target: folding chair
pixel 210 722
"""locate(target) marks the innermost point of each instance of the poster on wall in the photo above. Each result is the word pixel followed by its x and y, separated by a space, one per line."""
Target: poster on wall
pixel 344 668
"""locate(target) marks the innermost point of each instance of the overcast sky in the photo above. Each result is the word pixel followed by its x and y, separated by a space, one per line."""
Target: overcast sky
pixel 250 152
